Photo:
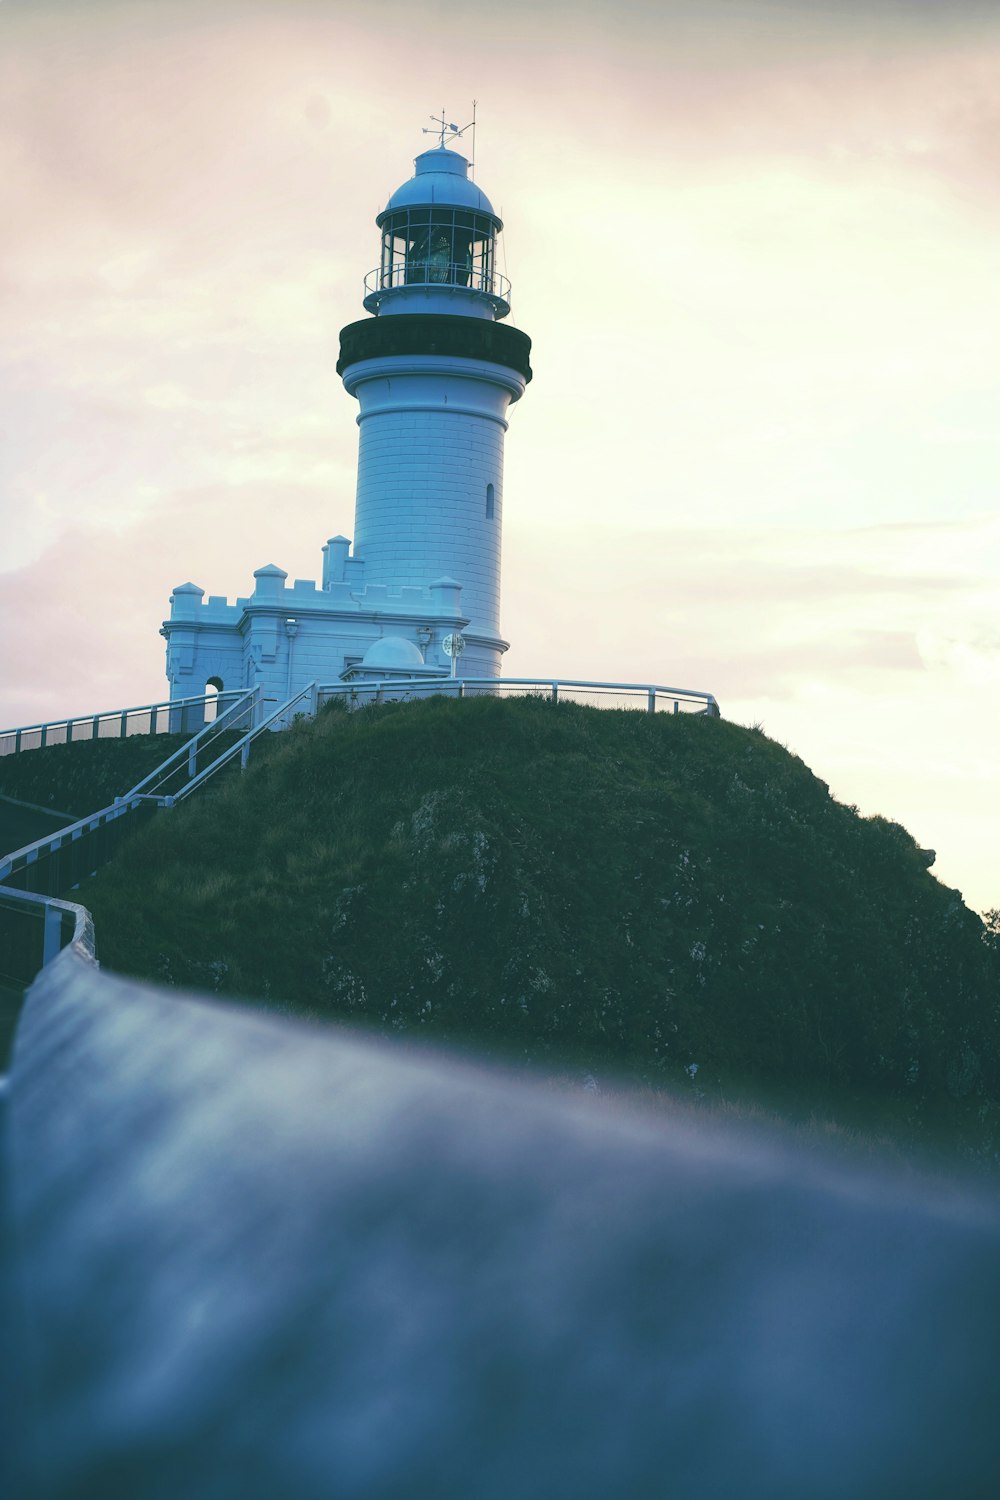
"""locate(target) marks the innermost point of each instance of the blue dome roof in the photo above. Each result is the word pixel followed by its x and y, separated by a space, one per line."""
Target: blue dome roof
pixel 442 178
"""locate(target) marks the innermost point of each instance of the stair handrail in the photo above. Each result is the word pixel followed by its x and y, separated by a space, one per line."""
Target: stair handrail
pixel 242 746
pixel 248 700
pixel 29 854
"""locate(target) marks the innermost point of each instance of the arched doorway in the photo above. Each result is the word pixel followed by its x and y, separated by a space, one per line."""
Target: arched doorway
pixel 213 687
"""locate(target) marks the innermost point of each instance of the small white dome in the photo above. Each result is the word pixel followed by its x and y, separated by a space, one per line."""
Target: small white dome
pixel 392 651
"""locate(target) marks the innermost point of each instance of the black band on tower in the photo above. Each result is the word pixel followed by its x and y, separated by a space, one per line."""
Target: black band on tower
pixel 435 333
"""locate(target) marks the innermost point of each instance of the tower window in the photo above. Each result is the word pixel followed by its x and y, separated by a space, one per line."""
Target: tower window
pixel 489 502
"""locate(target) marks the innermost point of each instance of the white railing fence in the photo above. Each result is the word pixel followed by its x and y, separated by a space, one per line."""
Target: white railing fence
pixel 34 929
pixel 649 697
pixel 171 716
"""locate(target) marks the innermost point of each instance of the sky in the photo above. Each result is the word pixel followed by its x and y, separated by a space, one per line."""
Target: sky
pixel 755 247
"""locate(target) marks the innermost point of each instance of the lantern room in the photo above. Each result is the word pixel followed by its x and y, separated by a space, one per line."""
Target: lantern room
pixel 439 240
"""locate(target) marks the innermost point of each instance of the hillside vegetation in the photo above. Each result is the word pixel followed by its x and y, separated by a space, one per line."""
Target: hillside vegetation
pixel 82 777
pixel 672 897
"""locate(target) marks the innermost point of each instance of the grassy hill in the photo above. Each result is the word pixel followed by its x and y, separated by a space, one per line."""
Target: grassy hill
pixel 674 898
pixel 82 777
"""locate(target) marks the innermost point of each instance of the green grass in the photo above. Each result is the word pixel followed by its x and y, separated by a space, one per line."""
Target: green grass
pixel 87 775
pixel 22 823
pixel 598 890
pixel 84 776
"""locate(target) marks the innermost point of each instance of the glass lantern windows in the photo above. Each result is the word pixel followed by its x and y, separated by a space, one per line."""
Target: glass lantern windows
pixel 436 255
pixel 438 247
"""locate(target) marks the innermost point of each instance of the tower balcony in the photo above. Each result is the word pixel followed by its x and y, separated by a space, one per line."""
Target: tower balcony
pixel 451 277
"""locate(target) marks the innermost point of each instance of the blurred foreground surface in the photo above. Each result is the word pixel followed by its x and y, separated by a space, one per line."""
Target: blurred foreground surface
pixel 246 1258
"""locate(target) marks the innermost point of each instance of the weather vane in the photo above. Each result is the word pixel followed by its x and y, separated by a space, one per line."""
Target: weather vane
pixel 444 129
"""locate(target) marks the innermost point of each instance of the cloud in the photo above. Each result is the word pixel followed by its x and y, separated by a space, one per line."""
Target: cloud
pixel 755 611
pixel 78 626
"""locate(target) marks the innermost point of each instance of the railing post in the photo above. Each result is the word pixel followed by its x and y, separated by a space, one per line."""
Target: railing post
pixel 192 761
pixel 244 756
pixel 555 692
pixel 461 687
pixel 44 737
pixel 95 732
pixel 51 934
pixel 152 719
pixel 17 741
pixel 69 731
pixel 123 726
pixel 677 707
pixel 651 700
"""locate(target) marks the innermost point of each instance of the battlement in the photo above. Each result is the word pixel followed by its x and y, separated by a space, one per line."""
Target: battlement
pixel 284 634
pixel 343 592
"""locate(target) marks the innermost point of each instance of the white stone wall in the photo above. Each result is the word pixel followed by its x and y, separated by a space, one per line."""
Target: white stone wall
pixel 285 637
pixel 255 647
pixel 432 433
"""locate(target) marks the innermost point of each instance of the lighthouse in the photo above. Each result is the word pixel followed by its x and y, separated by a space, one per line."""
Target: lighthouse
pixel 435 371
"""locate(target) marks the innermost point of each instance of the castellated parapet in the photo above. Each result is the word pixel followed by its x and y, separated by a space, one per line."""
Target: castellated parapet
pixel 434 374
pixel 285 636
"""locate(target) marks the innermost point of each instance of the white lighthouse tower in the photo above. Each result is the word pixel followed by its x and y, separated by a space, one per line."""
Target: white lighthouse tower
pixel 434 371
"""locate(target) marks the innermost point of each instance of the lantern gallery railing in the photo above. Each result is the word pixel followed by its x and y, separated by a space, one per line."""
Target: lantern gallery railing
pixel 431 273
pixel 176 716
pixel 650 697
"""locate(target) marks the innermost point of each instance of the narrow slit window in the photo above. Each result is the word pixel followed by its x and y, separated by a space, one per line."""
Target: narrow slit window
pixel 489 502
